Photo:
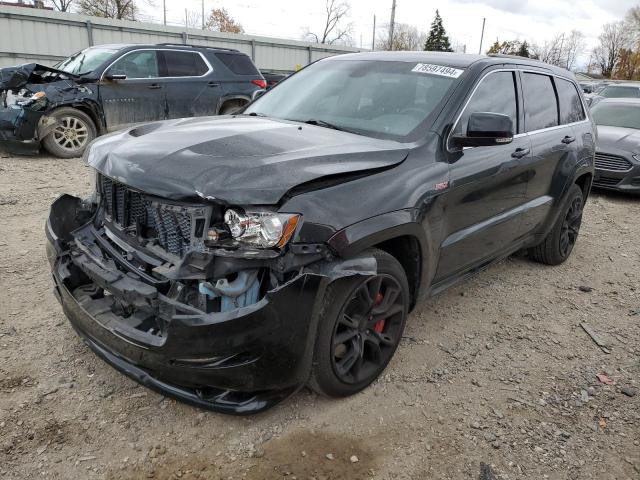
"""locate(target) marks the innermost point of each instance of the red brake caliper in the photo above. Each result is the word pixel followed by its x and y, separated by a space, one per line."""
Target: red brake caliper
pixel 379 325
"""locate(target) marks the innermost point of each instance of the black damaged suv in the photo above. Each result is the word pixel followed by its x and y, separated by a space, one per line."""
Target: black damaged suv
pixel 109 87
pixel 229 261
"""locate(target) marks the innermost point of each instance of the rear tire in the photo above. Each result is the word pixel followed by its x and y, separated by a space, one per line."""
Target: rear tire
pixel 361 325
pixel 559 243
pixel 72 134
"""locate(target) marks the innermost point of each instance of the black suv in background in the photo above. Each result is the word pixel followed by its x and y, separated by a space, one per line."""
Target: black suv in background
pixel 229 261
pixel 109 87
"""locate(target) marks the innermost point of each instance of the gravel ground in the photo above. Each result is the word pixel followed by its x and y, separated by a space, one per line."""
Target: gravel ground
pixel 496 370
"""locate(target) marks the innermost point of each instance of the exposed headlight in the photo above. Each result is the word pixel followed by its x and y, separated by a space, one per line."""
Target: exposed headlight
pixel 261 229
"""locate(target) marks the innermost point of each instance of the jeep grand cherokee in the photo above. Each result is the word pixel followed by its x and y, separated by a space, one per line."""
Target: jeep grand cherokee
pixel 229 261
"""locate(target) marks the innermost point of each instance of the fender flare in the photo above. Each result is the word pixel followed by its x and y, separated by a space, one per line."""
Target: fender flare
pixel 354 239
pixel 584 166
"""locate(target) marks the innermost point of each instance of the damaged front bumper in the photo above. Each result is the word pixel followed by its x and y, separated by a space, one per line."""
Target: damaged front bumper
pixel 240 361
pixel 18 129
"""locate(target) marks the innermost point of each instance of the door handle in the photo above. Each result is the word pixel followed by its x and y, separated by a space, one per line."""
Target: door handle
pixel 213 84
pixel 567 140
pixel 521 152
pixel 154 86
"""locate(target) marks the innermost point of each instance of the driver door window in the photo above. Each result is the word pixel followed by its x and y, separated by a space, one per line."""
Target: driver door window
pixel 496 94
pixel 141 64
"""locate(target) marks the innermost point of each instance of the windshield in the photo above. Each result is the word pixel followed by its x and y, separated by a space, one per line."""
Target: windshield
pixel 374 98
pixel 620 92
pixel 626 116
pixel 87 60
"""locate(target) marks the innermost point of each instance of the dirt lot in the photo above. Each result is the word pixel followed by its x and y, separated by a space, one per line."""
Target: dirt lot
pixel 496 370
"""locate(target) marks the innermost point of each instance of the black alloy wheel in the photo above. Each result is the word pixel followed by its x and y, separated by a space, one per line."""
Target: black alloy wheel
pixel 559 242
pixel 368 329
pixel 571 227
pixel 360 328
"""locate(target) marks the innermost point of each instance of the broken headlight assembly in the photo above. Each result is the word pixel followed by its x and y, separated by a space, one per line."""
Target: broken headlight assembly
pixel 258 229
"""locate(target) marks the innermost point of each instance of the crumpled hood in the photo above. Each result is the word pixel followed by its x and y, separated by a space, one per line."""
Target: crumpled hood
pixel 13 78
pixel 238 160
pixel 618 138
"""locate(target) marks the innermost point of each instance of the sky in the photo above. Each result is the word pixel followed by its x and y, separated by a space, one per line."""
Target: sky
pixel 531 20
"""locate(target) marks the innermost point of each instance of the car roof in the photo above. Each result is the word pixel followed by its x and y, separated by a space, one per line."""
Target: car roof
pixel 168 46
pixel 457 60
pixel 625 101
pixel 633 85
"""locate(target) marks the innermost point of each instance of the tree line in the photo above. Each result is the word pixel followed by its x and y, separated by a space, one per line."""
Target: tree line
pixel 217 19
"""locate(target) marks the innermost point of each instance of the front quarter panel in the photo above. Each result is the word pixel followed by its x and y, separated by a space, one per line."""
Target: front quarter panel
pixel 409 185
pixel 402 201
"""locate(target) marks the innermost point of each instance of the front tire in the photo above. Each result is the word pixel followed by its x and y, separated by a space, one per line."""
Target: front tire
pixel 559 243
pixel 361 325
pixel 73 132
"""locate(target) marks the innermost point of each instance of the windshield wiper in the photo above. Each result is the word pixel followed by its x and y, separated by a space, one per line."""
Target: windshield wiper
pixel 322 123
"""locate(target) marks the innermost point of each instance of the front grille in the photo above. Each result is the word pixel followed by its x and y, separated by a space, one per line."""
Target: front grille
pixel 137 215
pixel 607 181
pixel 613 163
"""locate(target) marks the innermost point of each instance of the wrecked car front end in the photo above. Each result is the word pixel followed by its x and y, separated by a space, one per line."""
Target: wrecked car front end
pixel 213 325
pixel 28 93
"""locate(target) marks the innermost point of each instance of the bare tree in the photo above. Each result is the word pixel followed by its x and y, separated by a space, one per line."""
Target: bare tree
pixel 573 46
pixel 193 19
pixel 614 37
pixel 562 50
pixel 405 37
pixel 335 31
pixel 119 9
pixel 62 5
pixel 633 21
pixel 220 21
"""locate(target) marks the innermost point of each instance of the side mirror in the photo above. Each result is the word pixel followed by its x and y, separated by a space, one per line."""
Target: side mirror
pixel 486 129
pixel 115 76
pixel 588 100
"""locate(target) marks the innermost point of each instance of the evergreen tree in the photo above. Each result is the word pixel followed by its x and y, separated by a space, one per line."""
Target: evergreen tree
pixel 523 51
pixel 495 48
pixel 437 41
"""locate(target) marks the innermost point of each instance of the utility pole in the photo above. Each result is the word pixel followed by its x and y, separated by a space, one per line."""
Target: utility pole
pixel 186 19
pixel 202 14
pixel 482 36
pixel 373 40
pixel 164 9
pixel 392 24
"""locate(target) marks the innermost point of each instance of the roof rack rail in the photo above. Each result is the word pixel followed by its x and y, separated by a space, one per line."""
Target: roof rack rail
pixel 173 44
pixel 506 55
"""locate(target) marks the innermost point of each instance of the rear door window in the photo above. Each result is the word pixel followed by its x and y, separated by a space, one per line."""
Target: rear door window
pixel 571 109
pixel 540 102
pixel 184 64
pixel 137 64
pixel 495 94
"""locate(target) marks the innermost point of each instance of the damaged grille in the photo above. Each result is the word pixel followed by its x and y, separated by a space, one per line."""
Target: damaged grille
pixel 172 226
